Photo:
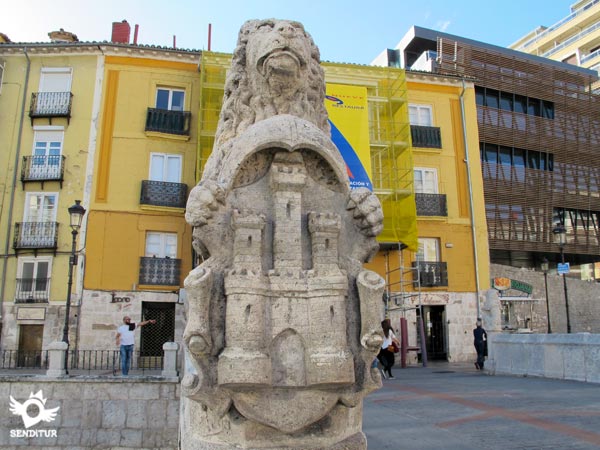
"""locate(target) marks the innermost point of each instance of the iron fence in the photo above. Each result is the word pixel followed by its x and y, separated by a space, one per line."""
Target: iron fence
pixel 36 235
pixel 24 360
pixel 431 273
pixel 160 271
pixel 162 193
pixel 43 168
pixel 431 204
pixel 166 121
pixel 32 290
pixel 426 137
pixel 108 362
pixel 50 104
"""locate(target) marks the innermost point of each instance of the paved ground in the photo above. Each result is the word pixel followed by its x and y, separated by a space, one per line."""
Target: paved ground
pixel 455 407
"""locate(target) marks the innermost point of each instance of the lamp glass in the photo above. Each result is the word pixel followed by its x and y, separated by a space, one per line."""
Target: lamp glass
pixel 544 265
pixel 76 213
pixel 560 235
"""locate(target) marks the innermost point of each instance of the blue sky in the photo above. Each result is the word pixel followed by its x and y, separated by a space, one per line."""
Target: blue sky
pixel 346 31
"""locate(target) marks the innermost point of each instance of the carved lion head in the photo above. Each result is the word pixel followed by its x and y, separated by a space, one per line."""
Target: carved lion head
pixel 275 70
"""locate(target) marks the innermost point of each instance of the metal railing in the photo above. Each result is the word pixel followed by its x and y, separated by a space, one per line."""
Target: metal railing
pixel 431 273
pixel 36 235
pixel 170 122
pixel 426 137
pixel 43 168
pixel 23 360
pixel 108 362
pixel 160 271
pixel 32 290
pixel 162 193
pixel 50 104
pixel 431 204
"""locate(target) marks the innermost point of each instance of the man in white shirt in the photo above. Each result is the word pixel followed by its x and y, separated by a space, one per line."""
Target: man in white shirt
pixel 126 339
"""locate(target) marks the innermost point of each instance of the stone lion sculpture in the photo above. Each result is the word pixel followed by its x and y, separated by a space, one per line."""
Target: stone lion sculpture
pixel 282 320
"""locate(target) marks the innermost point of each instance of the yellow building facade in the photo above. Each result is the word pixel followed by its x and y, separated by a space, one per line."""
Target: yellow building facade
pixel 138 243
pixel 49 101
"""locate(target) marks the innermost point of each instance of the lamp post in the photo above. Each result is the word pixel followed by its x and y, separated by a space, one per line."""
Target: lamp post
pixel 76 213
pixel 545 267
pixel 560 235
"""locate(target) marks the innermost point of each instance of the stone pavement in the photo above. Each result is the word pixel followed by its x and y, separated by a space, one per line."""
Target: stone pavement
pixel 455 407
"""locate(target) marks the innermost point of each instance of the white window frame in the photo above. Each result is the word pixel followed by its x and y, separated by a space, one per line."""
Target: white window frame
pixel 170 90
pixel 165 166
pixel 167 244
pixel 26 210
pixel 423 189
pixel 428 247
pixel 35 260
pixel 55 70
pixel 420 114
pixel 45 169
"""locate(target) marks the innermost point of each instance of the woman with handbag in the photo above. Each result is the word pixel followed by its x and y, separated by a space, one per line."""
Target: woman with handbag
pixel 388 348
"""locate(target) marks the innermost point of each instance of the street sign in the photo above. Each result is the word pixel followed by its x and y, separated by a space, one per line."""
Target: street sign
pixel 563 268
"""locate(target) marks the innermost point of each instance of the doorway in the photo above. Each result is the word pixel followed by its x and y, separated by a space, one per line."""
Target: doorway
pixel 154 336
pixel 30 346
pixel 435 332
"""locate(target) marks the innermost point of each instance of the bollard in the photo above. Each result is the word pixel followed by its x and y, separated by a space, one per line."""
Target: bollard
pixel 56 359
pixel 170 360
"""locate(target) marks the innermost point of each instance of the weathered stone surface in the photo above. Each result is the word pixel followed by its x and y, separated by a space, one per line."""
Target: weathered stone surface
pixel 282 320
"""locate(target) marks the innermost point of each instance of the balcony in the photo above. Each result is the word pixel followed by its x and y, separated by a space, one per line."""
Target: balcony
pixel 160 271
pixel 36 235
pixel 431 204
pixel 431 274
pixel 42 168
pixel 32 290
pixel 162 193
pixel 170 122
pixel 50 104
pixel 426 137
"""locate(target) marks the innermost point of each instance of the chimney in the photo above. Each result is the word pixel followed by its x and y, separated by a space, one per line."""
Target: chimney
pixel 62 36
pixel 120 32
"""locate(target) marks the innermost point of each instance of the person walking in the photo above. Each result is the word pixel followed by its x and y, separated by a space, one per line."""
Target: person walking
pixel 386 353
pixel 480 343
pixel 125 341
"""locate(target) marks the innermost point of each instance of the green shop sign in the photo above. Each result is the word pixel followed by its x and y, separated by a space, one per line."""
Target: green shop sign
pixel 504 284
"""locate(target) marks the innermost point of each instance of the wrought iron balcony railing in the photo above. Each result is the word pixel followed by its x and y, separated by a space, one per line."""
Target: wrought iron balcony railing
pixel 430 273
pixel 50 104
pixel 431 204
pixel 36 235
pixel 43 168
pixel 32 290
pixel 170 122
pixel 162 193
pixel 426 137
pixel 160 271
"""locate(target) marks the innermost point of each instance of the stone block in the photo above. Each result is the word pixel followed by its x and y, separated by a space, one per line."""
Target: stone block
pixel 108 437
pixel 131 438
pixel 114 414
pixel 144 391
pixel 136 413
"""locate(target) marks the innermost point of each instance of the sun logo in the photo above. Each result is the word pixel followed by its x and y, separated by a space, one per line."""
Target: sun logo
pixel 37 400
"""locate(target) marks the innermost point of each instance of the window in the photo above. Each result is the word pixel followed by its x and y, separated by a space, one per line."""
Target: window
pixel 161 245
pixel 33 279
pixel 170 99
pixel 55 79
pixel 420 115
pixel 425 181
pixel 47 149
pixel 40 207
pixel 429 249
pixel 165 167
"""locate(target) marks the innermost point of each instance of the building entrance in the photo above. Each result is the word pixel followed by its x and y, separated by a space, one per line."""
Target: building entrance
pixel 435 332
pixel 154 336
pixel 30 345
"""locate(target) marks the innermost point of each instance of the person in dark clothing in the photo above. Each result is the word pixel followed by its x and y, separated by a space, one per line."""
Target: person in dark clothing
pixel 386 352
pixel 480 342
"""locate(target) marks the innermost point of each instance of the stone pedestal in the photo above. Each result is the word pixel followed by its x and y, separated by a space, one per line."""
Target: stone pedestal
pixel 57 352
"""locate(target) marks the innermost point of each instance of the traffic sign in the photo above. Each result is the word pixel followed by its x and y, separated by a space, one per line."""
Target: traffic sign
pixel 563 268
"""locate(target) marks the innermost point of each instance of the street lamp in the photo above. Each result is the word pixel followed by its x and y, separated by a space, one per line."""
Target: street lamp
pixel 76 213
pixel 560 237
pixel 545 267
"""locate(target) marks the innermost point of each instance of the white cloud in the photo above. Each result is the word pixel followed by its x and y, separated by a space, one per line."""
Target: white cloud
pixel 442 25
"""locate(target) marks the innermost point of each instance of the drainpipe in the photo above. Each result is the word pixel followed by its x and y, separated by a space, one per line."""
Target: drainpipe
pixel 5 255
pixel 474 235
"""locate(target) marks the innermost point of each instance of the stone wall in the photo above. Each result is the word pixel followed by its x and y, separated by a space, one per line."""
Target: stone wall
pixel 94 413
pixel 584 300
pixel 563 356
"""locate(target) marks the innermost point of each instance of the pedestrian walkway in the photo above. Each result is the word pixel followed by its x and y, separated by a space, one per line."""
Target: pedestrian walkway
pixel 455 407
